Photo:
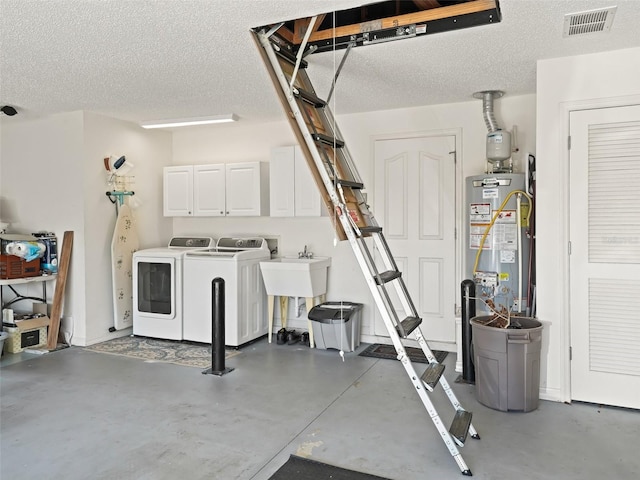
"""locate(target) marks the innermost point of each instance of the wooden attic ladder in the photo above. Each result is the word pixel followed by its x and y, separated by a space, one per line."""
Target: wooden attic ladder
pixel 341 188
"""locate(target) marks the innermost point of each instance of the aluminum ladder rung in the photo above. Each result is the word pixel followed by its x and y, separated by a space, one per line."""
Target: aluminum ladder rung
pixel 309 98
pixel 371 229
pixel 408 325
pixel 289 57
pixel 431 376
pixel 350 184
pixel 388 276
pixel 327 140
pixel 460 426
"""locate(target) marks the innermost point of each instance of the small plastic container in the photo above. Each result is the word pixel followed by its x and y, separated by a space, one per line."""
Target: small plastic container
pixel 336 325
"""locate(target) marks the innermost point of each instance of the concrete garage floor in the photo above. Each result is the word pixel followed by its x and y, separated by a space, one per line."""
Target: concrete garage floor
pixel 76 414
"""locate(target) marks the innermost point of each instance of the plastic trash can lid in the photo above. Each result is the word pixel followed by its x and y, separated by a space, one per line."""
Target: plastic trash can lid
pixel 334 312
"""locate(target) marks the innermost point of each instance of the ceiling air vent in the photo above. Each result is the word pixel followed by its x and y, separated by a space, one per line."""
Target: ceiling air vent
pixel 591 21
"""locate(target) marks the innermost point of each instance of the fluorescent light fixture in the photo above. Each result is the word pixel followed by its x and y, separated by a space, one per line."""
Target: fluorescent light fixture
pixel 185 122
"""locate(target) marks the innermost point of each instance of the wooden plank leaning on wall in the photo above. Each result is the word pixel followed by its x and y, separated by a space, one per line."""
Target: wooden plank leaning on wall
pixel 58 295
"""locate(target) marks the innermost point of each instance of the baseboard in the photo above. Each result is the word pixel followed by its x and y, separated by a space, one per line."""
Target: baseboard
pixel 551 394
pixel 107 336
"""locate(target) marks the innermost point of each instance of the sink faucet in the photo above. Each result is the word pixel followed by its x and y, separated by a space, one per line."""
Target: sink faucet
pixel 305 253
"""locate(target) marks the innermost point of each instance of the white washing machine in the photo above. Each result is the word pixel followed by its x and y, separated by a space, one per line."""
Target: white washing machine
pixel 237 262
pixel 157 287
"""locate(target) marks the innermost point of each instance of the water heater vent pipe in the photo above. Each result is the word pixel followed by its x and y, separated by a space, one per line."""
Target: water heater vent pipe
pixel 487 97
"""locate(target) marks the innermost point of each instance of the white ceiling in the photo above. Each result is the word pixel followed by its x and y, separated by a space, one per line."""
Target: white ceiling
pixel 143 60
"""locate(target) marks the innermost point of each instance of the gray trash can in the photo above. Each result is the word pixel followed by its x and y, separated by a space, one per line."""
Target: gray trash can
pixel 336 325
pixel 507 363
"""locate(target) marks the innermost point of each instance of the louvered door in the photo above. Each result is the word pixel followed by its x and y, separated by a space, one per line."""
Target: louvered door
pixel 605 255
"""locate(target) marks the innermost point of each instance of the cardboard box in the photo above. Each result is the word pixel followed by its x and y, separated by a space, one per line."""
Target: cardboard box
pixel 31 333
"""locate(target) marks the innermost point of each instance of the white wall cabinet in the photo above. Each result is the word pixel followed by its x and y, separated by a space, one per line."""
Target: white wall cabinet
pixel 217 190
pixel 178 191
pixel 209 190
pixel 293 191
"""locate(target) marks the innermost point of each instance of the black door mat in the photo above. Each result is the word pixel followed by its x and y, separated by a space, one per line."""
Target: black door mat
pixel 300 468
pixel 380 350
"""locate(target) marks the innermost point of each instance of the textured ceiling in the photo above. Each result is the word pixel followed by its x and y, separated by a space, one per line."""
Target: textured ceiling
pixel 152 59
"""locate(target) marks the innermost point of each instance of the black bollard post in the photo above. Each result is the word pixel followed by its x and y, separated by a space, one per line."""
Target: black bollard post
pixel 217 329
pixel 468 288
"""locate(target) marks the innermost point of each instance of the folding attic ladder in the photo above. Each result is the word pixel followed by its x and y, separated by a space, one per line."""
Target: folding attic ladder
pixel 341 188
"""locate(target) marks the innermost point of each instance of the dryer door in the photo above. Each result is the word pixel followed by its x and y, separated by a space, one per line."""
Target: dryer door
pixel 154 293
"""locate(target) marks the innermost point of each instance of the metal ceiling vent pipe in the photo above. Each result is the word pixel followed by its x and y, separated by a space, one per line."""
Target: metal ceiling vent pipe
pixel 498 140
pixel 487 97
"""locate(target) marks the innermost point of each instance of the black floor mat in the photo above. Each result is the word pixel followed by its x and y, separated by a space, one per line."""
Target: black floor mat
pixel 300 468
pixel 379 350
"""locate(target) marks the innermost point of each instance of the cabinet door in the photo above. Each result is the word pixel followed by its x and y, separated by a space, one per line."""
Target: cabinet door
pixel 178 191
pixel 282 179
pixel 209 190
pixel 243 192
pixel 307 197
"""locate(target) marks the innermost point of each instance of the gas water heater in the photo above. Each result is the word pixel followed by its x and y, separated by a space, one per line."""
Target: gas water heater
pixel 497 245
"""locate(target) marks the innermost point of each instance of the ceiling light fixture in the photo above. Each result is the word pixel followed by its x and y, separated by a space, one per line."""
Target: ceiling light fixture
pixel 185 122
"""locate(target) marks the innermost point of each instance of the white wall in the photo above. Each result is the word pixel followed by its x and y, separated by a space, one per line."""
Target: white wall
pixel 565 84
pixel 246 142
pixel 42 188
pixel 53 179
pixel 148 151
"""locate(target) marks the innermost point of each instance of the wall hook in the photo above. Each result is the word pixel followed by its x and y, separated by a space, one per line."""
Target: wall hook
pixel 117 197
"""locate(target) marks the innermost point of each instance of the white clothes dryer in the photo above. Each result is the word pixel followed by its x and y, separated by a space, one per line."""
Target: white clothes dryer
pixel 157 287
pixel 237 262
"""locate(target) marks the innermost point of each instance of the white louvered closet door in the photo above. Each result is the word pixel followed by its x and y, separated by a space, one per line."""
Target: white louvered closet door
pixel 605 255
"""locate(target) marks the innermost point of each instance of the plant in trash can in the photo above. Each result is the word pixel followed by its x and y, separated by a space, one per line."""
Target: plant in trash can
pixel 501 318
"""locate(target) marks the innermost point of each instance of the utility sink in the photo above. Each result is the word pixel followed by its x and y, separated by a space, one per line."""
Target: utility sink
pixel 296 277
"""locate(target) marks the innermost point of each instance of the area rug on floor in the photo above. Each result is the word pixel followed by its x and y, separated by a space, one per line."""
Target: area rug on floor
pixel 300 468
pixel 154 350
pixel 379 350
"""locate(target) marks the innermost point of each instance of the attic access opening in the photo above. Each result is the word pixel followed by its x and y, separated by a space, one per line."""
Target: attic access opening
pixel 385 21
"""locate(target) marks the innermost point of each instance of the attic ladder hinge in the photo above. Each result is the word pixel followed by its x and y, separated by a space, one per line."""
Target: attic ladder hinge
pixel 569 142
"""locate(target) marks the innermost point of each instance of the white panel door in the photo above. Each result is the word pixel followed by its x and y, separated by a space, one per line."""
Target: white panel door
pixel 415 185
pixel 209 190
pixel 605 255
